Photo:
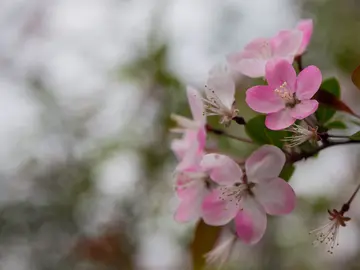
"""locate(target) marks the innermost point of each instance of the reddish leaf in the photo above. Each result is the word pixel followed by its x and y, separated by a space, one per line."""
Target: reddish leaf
pixel 355 77
pixel 330 100
pixel 204 240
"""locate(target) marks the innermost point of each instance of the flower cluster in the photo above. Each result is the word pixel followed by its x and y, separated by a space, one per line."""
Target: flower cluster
pixel 214 187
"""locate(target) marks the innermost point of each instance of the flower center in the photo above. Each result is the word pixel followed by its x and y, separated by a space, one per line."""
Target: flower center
pixel 214 106
pixel 236 192
pixel 285 94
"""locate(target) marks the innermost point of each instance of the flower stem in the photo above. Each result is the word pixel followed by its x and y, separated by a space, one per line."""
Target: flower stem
pixel 298 60
pixel 353 195
pixel 304 155
pixel 223 133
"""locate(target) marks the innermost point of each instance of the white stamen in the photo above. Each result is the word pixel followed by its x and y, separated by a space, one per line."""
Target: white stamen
pixel 300 135
pixel 233 193
pixel 328 233
pixel 214 106
pixel 284 92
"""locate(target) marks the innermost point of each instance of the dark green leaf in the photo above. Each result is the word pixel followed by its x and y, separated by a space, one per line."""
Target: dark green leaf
pixel 204 240
pixel 336 125
pixel 332 86
pixel 287 172
pixel 259 133
pixel 324 113
pixel 329 95
pixel 355 136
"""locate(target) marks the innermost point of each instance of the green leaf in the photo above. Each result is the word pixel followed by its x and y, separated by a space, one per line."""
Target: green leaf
pixel 355 136
pixel 324 113
pixel 287 172
pixel 332 86
pixel 259 133
pixel 336 125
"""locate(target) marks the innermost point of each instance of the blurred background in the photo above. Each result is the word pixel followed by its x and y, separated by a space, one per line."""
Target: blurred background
pixel 86 90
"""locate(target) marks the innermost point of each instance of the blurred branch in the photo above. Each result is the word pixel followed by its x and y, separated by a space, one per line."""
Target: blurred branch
pixel 223 133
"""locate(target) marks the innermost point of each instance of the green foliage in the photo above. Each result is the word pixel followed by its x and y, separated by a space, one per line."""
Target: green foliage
pixel 355 136
pixel 325 113
pixel 336 125
pixel 287 172
pixel 259 133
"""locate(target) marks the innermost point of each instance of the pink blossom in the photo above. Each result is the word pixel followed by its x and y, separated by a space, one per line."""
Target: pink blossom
pixel 220 95
pixel 191 189
pixel 248 196
pixel 189 148
pixel 286 97
pixel 253 59
pixel 306 27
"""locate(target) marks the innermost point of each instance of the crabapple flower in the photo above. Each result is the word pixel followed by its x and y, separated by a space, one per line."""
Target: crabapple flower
pixel 190 146
pixel 191 188
pixel 328 234
pixel 286 98
pixel 300 135
pixel 253 59
pixel 306 27
pixel 220 95
pixel 248 196
pixel 220 254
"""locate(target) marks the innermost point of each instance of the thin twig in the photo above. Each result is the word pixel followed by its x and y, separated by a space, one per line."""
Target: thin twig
pixel 223 133
pixel 299 156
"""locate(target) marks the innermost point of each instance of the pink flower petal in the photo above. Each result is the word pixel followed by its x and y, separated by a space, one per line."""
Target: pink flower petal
pixel 190 204
pixel 251 221
pixel 251 67
pixel 304 108
pixel 280 71
pixel 308 82
pixel 187 187
pixel 251 62
pixel 187 211
pixel 286 43
pixel 306 27
pixel 180 146
pixel 266 162
pixel 196 104
pixel 279 120
pixel 263 99
pixel 192 157
pixel 216 211
pixel 276 196
pixel 221 85
pixel 222 169
pixel 259 45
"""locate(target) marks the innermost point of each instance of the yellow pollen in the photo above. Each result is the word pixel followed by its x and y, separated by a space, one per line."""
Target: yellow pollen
pixel 284 93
